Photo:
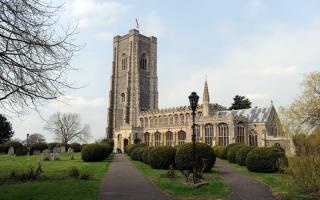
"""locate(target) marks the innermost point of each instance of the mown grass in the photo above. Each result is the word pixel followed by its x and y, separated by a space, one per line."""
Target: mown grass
pixel 57 184
pixel 216 188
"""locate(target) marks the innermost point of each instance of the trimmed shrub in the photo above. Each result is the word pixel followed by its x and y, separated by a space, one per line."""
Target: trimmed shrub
pixel 2 148
pixel 161 157
pixel 265 159
pixel 145 154
pixel 52 145
pixel 75 146
pixel 224 153
pixel 242 155
pixel 135 153
pixel 232 152
pixel 95 152
pixel 14 144
pixel 183 159
pixel 218 150
pixel 22 151
pixel 131 147
pixel 39 146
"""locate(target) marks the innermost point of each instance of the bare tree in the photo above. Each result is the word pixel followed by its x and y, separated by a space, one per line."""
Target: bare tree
pixel 34 54
pixel 66 127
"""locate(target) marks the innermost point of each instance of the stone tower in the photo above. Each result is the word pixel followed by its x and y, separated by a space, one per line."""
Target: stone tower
pixel 134 81
pixel 206 99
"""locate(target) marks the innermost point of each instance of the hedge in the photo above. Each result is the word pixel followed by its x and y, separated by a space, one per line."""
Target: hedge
pixel 21 151
pixel 39 146
pixel 242 154
pixel 183 159
pixel 265 159
pixel 95 152
pixel 224 153
pixel 131 147
pixel 75 146
pixel 145 154
pixel 232 152
pixel 161 157
pixel 218 150
pixel 14 144
pixel 135 153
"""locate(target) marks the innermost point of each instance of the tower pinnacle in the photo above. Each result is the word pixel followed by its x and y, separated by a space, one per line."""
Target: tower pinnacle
pixel 206 92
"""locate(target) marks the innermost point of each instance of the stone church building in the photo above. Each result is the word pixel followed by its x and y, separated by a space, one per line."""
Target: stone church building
pixel 134 116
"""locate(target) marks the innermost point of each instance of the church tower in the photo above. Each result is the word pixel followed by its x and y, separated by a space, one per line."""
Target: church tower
pixel 134 81
pixel 206 99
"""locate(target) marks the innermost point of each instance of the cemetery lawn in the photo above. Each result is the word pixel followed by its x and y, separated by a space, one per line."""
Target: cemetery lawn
pixel 54 182
pixel 216 189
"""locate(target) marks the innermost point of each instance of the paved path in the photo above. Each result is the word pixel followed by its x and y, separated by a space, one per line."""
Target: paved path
pixel 125 182
pixel 243 186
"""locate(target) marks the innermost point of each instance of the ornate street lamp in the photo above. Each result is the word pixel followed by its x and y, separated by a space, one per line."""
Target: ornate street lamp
pixel 193 98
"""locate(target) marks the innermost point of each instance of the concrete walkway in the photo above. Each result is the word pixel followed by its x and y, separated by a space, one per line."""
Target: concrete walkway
pixel 125 182
pixel 243 186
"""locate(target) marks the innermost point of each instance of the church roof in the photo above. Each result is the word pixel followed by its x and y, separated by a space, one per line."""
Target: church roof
pixel 254 115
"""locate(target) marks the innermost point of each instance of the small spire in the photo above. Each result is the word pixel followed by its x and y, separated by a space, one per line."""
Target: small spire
pixel 206 92
pixel 271 102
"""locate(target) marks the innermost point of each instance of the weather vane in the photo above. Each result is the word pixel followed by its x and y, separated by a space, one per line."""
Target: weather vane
pixel 137 24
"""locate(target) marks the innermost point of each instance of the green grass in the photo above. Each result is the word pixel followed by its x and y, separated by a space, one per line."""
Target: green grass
pixel 57 183
pixel 214 190
pixel 275 181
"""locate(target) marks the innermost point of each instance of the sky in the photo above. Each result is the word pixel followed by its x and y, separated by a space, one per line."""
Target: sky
pixel 259 49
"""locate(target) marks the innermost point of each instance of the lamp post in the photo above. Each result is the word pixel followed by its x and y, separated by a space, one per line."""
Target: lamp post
pixel 193 98
pixel 28 143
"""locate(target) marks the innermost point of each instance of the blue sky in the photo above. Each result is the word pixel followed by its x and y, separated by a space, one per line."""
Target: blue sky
pixel 259 49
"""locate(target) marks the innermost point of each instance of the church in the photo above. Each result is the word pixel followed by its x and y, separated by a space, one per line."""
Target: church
pixel 134 116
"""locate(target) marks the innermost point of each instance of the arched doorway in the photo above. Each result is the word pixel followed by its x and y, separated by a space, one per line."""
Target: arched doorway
pixel 125 143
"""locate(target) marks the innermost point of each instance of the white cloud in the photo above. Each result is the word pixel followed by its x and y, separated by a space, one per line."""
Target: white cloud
pixel 153 24
pixel 96 13
pixel 104 36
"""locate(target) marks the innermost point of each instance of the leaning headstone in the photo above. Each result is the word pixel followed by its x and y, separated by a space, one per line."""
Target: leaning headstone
pixel 63 149
pixel 36 152
pixel 46 154
pixel 11 151
pixel 56 155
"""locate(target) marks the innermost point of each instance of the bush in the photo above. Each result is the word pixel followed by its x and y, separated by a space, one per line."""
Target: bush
pixel 21 151
pixel 135 153
pixel 95 152
pixel 131 147
pixel 183 159
pixel 2 148
pixel 161 157
pixel 242 155
pixel 52 145
pixel 39 146
pixel 224 153
pixel 76 147
pixel 232 152
pixel 14 144
pixel 218 150
pixel 265 159
pixel 145 154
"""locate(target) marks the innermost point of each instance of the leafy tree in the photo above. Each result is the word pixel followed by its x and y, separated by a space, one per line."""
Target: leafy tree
pixel 35 54
pixel 67 127
pixel 303 115
pixel 6 131
pixel 240 102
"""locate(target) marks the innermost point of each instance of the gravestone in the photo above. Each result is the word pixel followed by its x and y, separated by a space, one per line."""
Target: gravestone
pixel 56 155
pixel 70 150
pixel 46 154
pixel 56 150
pixel 36 152
pixel 63 149
pixel 70 153
pixel 11 151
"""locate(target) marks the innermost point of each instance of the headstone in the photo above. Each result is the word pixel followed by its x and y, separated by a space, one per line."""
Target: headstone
pixel 56 156
pixel 46 154
pixel 70 150
pixel 63 149
pixel 36 152
pixel 11 151
pixel 56 150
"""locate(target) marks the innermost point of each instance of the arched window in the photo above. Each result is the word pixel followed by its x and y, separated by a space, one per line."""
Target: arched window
pixel 124 62
pixel 146 122
pixel 123 97
pixel 151 122
pixel 197 132
pixel 170 120
pixel 141 122
pixel 169 138
pixel 199 114
pixel 147 138
pixel 160 121
pixel 157 138
pixel 240 133
pixel 208 134
pixel 181 119
pixel 181 137
pixel 143 62
pixel 176 120
pixel 223 134
pixel 274 128
pixel 156 121
pixel 165 121
pixel 253 138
